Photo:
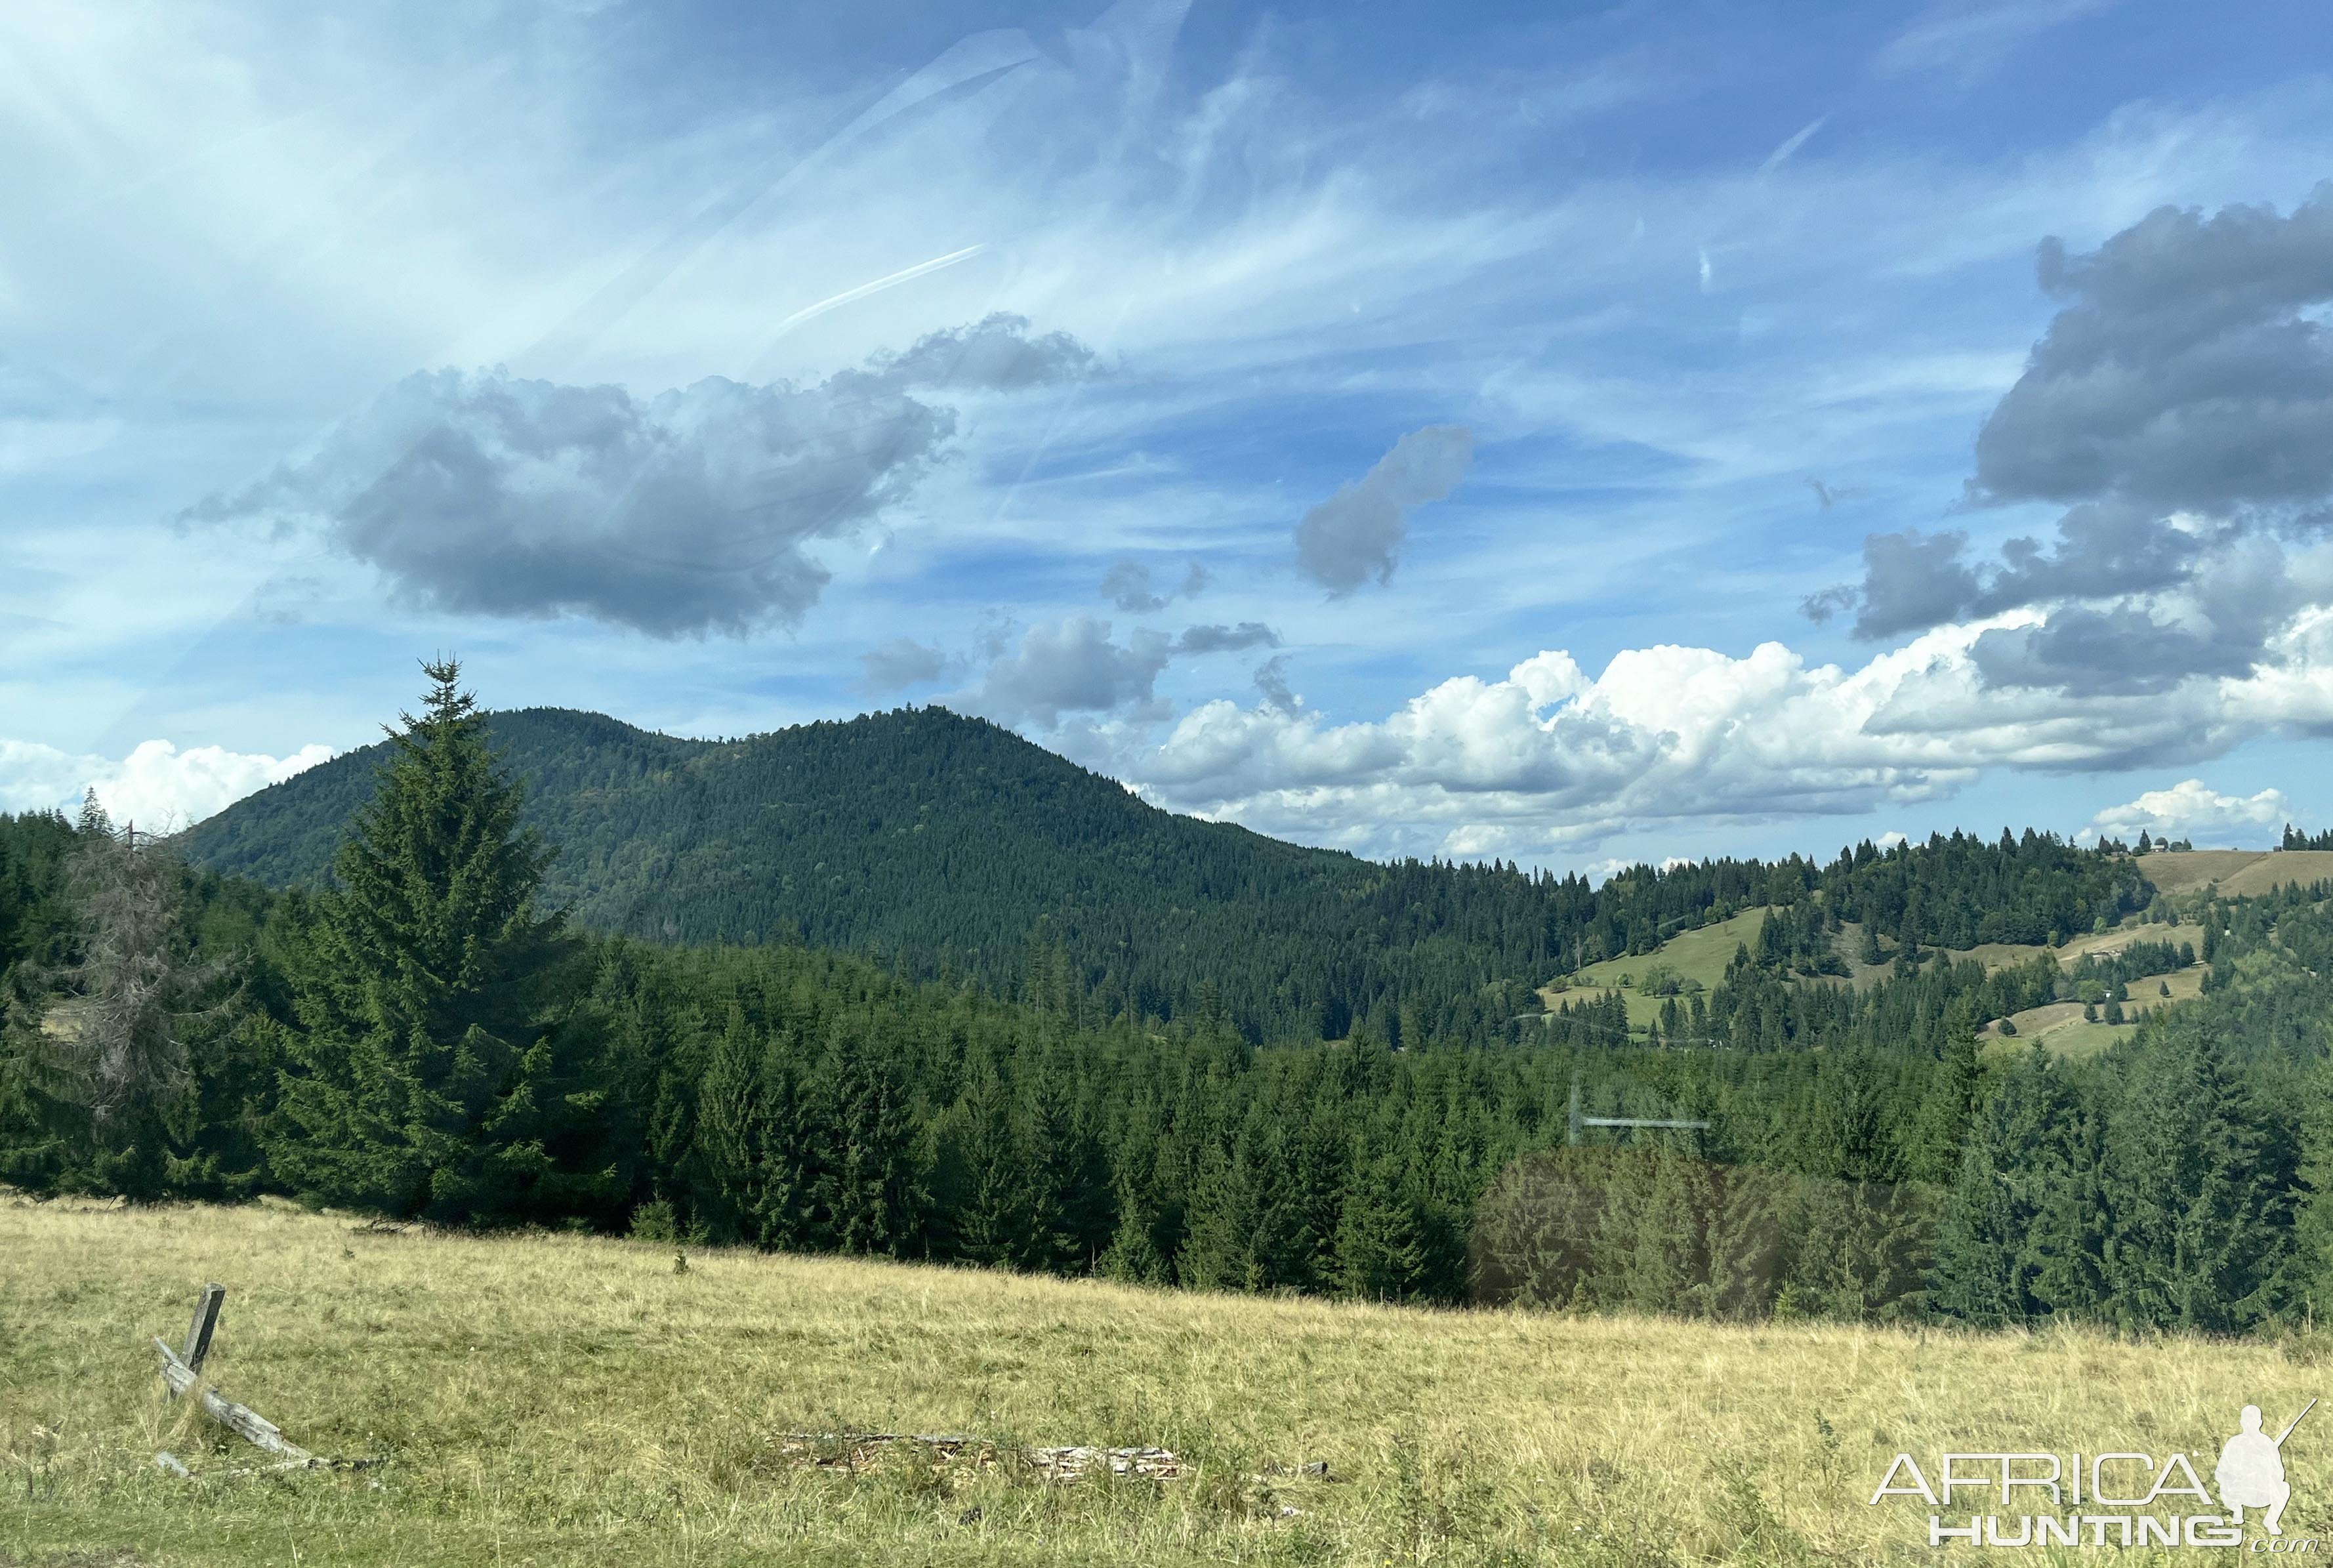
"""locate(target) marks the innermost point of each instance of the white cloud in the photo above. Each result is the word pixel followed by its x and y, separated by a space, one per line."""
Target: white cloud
pixel 1549 758
pixel 156 785
pixel 2191 807
pixel 36 778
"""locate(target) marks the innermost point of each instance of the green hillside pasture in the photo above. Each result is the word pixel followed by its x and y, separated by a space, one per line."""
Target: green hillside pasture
pixel 2060 1028
pixel 1701 955
pixel 1697 955
pixel 1996 955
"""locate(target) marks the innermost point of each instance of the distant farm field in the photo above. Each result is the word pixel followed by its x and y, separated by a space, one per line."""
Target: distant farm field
pixel 558 1399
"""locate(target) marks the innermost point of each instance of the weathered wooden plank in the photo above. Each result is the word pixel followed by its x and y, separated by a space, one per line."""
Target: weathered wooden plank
pixel 241 1419
pixel 253 1427
pixel 175 1372
pixel 836 1449
pixel 1071 1464
pixel 198 1332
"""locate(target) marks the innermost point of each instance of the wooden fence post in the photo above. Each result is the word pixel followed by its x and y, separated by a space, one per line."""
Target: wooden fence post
pixel 198 1332
pixel 181 1373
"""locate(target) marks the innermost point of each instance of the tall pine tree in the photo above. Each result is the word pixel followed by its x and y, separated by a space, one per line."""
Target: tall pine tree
pixel 428 1070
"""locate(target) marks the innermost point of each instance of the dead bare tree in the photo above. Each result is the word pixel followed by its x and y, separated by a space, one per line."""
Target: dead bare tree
pixel 118 1016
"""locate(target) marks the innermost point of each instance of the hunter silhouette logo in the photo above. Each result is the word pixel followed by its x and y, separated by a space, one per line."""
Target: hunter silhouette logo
pixel 2250 1472
pixel 2107 1497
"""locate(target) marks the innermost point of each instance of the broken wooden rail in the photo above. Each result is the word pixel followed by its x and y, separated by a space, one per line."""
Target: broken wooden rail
pixel 182 1371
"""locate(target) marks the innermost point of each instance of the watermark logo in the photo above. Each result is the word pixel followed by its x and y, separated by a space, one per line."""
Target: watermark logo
pixel 2250 1472
pixel 2120 1499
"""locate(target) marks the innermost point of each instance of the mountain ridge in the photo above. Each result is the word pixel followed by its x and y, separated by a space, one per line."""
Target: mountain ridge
pixel 948 845
pixel 846 833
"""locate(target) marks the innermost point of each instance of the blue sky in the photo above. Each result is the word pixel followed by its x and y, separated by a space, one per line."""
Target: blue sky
pixel 1572 435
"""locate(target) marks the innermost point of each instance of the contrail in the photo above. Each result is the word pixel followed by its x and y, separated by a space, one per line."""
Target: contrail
pixel 1781 155
pixel 903 275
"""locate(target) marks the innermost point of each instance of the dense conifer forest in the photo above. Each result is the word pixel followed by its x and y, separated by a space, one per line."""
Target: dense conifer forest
pixel 937 844
pixel 424 1033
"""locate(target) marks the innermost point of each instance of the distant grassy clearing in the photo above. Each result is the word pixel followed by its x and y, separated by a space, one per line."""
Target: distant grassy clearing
pixel 2060 1028
pixel 1703 954
pixel 2240 873
pixel 559 1399
pixel 2086 944
pixel 1697 955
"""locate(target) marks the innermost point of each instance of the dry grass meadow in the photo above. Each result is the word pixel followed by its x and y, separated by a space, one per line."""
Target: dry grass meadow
pixel 563 1399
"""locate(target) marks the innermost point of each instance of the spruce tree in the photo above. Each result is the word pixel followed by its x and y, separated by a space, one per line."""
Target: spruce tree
pixel 1381 1241
pixel 984 1181
pixel 2313 1223
pixel 1945 1111
pixel 735 1137
pixel 1220 1251
pixel 870 1188
pixel 428 1070
pixel 2199 1178
pixel 1133 1256
pixel 1985 1267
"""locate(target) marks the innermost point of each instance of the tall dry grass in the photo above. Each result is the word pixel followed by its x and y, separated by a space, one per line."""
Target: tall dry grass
pixel 565 1400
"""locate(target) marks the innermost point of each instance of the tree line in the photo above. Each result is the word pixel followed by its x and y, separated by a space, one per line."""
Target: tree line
pixel 421 1038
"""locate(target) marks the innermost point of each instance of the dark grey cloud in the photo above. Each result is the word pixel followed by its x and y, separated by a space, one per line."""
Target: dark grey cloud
pixel 682 514
pixel 2180 405
pixel 2102 548
pixel 994 354
pixel 1128 585
pixel 1073 667
pixel 899 663
pixel 2122 650
pixel 2186 370
pixel 2237 593
pixel 1226 638
pixel 1911 580
pixel 1272 685
pixel 1914 581
pixel 1356 534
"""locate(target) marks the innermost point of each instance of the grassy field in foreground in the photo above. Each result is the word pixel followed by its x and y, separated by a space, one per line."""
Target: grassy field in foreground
pixel 562 1399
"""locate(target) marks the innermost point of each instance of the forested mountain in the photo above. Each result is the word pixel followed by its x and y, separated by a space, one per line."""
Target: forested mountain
pixel 941 844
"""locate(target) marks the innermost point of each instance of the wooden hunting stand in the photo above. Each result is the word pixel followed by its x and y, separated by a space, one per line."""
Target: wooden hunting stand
pixel 1578 1122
